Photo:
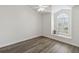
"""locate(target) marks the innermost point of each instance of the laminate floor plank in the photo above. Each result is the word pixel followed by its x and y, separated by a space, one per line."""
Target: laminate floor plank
pixel 40 45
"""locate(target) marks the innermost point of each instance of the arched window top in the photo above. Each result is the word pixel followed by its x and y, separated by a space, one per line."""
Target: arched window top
pixel 63 15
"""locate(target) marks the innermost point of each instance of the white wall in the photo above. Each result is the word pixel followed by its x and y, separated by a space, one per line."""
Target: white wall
pixel 18 23
pixel 48 26
pixel 75 22
pixel 48 19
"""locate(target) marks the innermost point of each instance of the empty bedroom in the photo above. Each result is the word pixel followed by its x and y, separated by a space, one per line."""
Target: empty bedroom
pixel 39 28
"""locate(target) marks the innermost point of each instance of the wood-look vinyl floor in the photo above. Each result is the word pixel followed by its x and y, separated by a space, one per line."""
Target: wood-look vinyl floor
pixel 40 45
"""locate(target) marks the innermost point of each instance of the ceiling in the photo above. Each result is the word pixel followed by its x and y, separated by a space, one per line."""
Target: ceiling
pixel 49 8
pixel 42 8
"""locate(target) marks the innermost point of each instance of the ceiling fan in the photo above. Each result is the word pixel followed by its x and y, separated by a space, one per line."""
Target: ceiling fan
pixel 41 8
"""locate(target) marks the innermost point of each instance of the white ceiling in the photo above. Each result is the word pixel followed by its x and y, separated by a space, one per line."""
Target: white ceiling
pixel 46 10
pixel 49 8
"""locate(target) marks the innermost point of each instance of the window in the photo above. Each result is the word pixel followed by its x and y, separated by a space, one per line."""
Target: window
pixel 62 20
pixel 62 23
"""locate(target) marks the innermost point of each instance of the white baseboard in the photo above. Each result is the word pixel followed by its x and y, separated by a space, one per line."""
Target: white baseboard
pixel 27 38
pixel 65 40
pixel 62 39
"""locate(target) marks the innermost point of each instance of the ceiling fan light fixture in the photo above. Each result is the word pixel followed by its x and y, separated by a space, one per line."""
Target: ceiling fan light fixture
pixel 41 9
